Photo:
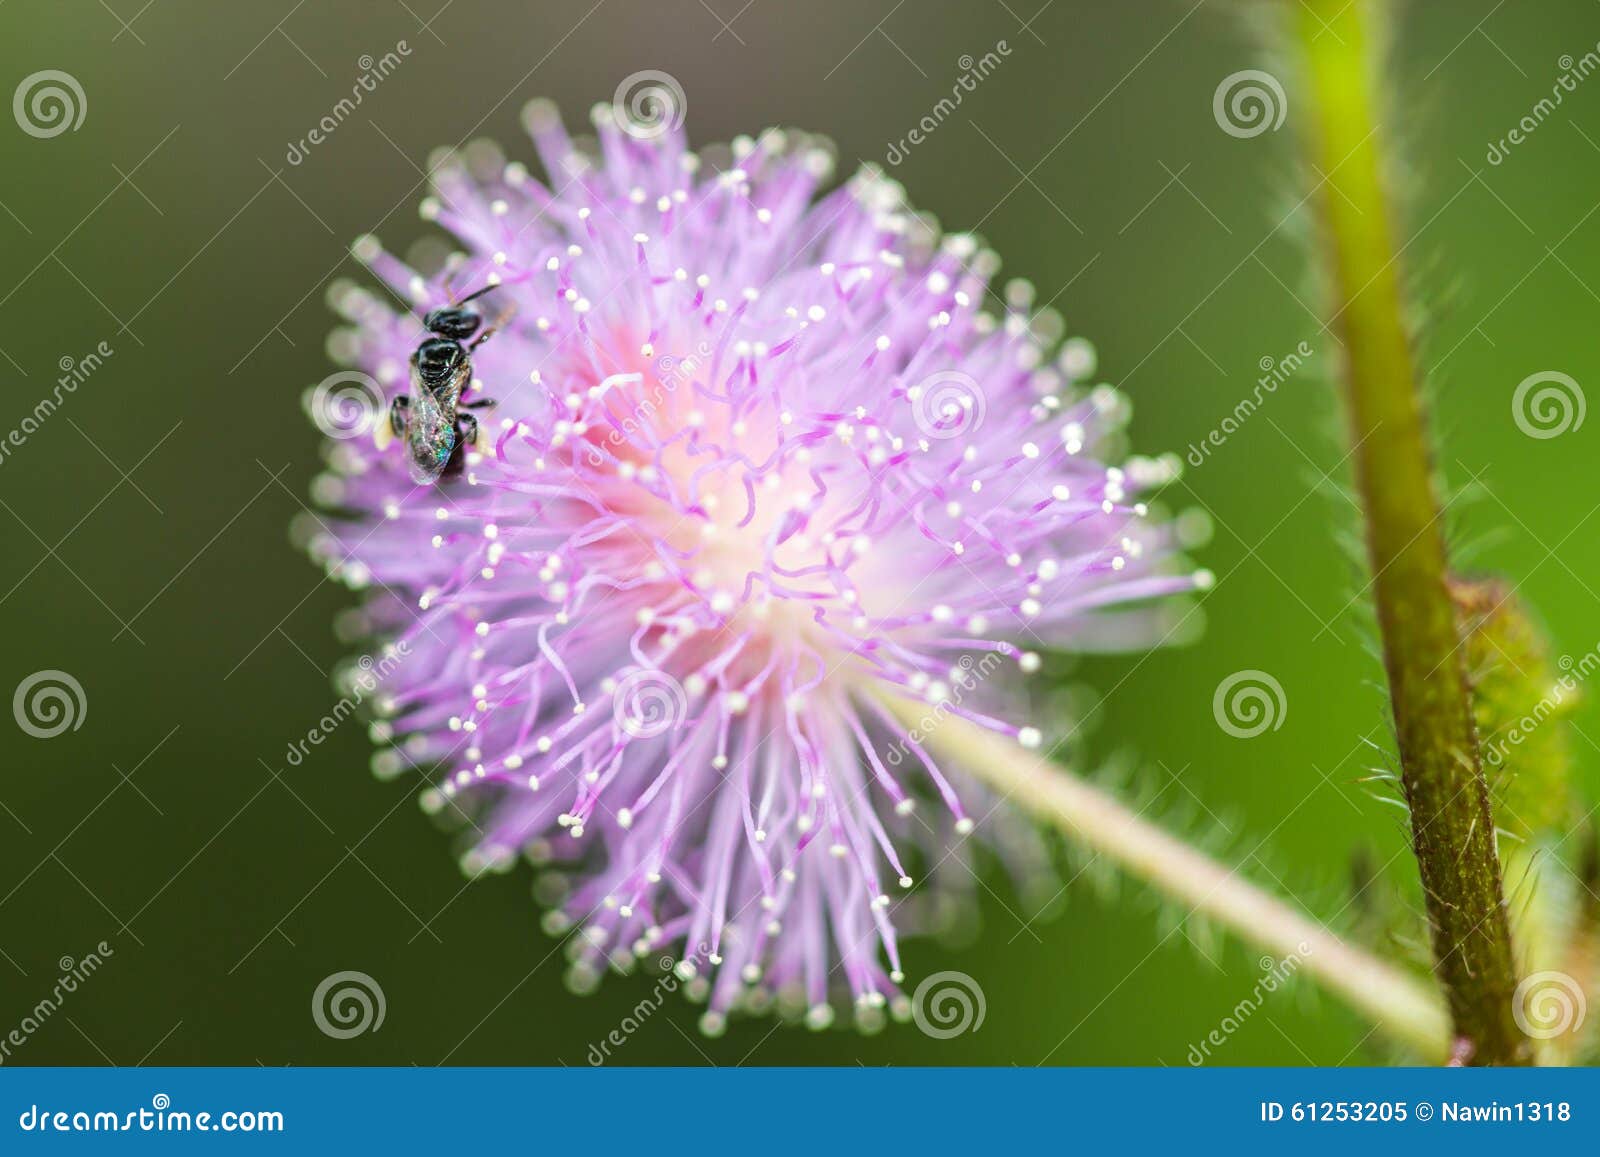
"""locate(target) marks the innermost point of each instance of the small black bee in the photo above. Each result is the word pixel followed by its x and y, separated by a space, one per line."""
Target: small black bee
pixel 429 420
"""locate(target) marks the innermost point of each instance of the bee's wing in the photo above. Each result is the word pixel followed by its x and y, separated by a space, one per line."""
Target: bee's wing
pixel 430 433
pixel 459 380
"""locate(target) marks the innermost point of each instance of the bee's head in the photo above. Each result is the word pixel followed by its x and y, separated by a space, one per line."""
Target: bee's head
pixel 438 359
pixel 456 322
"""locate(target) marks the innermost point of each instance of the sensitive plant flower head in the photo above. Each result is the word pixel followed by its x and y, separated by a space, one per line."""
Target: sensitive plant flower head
pixel 761 463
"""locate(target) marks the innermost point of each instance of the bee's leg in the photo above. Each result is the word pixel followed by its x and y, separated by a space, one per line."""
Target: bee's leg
pixel 392 423
pixel 478 404
pixel 473 433
pixel 471 436
pixel 494 327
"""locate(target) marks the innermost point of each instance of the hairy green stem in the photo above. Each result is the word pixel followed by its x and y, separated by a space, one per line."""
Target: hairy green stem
pixel 1400 1006
pixel 1453 831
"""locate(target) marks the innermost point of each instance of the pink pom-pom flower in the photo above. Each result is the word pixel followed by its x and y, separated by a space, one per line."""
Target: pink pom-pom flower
pixel 763 460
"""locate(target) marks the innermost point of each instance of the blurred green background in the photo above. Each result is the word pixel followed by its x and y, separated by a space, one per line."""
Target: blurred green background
pixel 145 521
